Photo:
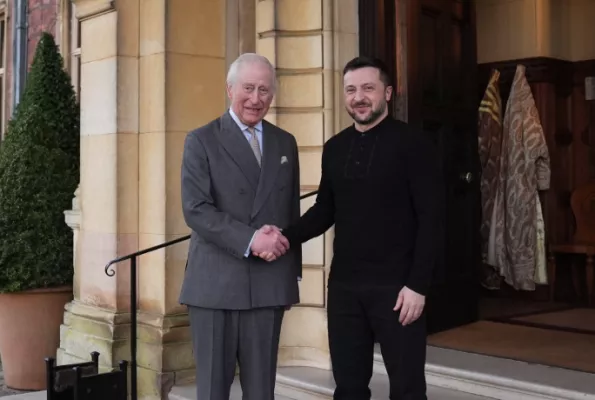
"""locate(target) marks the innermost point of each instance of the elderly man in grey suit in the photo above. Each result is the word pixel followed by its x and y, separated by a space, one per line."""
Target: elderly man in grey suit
pixel 239 173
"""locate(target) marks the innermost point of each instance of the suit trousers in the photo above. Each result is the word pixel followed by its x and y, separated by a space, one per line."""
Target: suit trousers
pixel 222 338
pixel 359 316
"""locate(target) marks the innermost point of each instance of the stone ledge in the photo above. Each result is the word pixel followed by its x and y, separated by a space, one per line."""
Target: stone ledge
pixel 97 314
pixel 91 8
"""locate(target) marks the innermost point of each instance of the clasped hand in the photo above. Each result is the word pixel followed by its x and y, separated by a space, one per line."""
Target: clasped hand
pixel 269 243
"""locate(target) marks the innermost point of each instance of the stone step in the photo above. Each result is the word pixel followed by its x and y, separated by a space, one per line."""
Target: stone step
pixel 501 378
pixel 451 375
pixel 305 383
pixel 188 392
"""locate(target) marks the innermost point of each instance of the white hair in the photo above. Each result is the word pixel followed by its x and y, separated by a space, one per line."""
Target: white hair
pixel 249 58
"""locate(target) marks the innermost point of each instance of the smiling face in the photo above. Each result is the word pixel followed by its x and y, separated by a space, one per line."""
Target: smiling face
pixel 366 96
pixel 252 92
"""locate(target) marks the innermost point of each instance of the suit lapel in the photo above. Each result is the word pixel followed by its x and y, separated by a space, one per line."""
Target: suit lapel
pixel 235 143
pixel 271 161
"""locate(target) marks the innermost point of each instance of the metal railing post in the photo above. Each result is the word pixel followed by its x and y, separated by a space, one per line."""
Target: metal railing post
pixel 133 334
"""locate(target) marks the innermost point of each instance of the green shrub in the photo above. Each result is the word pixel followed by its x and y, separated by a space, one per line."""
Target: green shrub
pixel 39 172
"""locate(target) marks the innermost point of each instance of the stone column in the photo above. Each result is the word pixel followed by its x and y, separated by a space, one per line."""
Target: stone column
pixel 182 86
pixel 98 318
pixel 157 72
pixel 308 42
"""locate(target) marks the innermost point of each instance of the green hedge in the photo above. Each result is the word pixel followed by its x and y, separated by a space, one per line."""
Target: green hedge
pixel 39 172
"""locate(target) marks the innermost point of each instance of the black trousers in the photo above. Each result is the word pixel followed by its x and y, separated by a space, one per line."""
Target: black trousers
pixel 359 316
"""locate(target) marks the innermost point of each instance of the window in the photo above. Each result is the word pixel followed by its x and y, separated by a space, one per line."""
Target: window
pixel 75 51
pixel 70 42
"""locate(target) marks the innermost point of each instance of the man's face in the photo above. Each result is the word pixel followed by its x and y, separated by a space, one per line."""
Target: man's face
pixel 366 96
pixel 252 92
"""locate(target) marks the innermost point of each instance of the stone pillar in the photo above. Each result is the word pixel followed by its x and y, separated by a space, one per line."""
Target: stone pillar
pixel 308 42
pixel 97 319
pixel 182 86
pixel 157 72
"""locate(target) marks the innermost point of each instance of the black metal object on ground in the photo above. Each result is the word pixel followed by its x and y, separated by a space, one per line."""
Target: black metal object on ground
pixel 110 385
pixel 60 379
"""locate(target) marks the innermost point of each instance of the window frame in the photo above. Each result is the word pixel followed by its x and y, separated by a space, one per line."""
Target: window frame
pixel 74 48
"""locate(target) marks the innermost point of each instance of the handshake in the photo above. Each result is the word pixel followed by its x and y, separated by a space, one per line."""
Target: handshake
pixel 269 244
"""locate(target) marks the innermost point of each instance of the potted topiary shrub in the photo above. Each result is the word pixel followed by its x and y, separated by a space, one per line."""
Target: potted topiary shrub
pixel 39 172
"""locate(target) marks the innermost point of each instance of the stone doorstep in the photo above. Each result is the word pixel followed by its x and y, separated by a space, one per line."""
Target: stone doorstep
pixel 451 375
pixel 304 383
pixel 501 378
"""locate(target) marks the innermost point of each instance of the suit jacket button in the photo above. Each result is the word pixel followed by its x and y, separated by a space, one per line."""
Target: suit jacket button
pixel 242 191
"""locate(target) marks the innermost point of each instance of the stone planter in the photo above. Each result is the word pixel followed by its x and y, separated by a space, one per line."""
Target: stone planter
pixel 30 332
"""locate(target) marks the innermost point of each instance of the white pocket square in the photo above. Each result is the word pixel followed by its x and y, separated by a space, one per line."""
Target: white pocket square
pixel 283 160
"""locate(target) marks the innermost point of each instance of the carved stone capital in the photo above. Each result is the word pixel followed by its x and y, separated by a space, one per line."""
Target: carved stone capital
pixel 73 217
pixel 75 200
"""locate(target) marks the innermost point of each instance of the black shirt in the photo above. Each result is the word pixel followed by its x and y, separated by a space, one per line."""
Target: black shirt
pixel 382 191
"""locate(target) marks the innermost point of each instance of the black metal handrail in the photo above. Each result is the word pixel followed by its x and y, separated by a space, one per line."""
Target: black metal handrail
pixel 133 296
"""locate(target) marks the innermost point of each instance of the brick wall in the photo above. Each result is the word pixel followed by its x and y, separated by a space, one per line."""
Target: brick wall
pixel 43 17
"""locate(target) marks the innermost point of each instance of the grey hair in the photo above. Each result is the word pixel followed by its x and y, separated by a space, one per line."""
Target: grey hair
pixel 249 58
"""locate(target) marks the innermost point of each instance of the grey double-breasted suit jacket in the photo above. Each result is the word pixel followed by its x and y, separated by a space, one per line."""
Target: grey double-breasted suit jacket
pixel 226 197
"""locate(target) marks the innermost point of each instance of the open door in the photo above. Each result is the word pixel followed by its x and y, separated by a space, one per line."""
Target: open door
pixel 442 101
pixel 430 47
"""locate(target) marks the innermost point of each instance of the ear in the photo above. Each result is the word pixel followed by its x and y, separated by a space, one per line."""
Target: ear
pixel 228 89
pixel 388 93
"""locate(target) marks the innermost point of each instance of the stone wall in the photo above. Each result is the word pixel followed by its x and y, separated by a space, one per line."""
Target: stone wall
pixel 518 29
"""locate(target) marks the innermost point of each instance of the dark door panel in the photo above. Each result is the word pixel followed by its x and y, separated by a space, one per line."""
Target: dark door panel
pixel 441 100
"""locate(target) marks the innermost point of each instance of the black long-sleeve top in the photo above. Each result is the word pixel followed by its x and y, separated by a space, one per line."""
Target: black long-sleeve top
pixel 382 189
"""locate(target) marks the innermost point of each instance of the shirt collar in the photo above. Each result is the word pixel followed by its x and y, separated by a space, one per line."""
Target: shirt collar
pixel 243 126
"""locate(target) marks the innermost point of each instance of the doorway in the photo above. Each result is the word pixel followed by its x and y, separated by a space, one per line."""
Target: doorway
pixel 431 47
pixel 433 96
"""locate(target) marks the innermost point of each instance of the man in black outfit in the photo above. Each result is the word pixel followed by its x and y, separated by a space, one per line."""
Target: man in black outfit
pixel 381 188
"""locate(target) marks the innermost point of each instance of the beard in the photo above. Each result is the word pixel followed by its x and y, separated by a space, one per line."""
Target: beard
pixel 372 117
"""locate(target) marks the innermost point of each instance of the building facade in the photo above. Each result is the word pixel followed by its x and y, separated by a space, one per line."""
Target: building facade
pixel 149 71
